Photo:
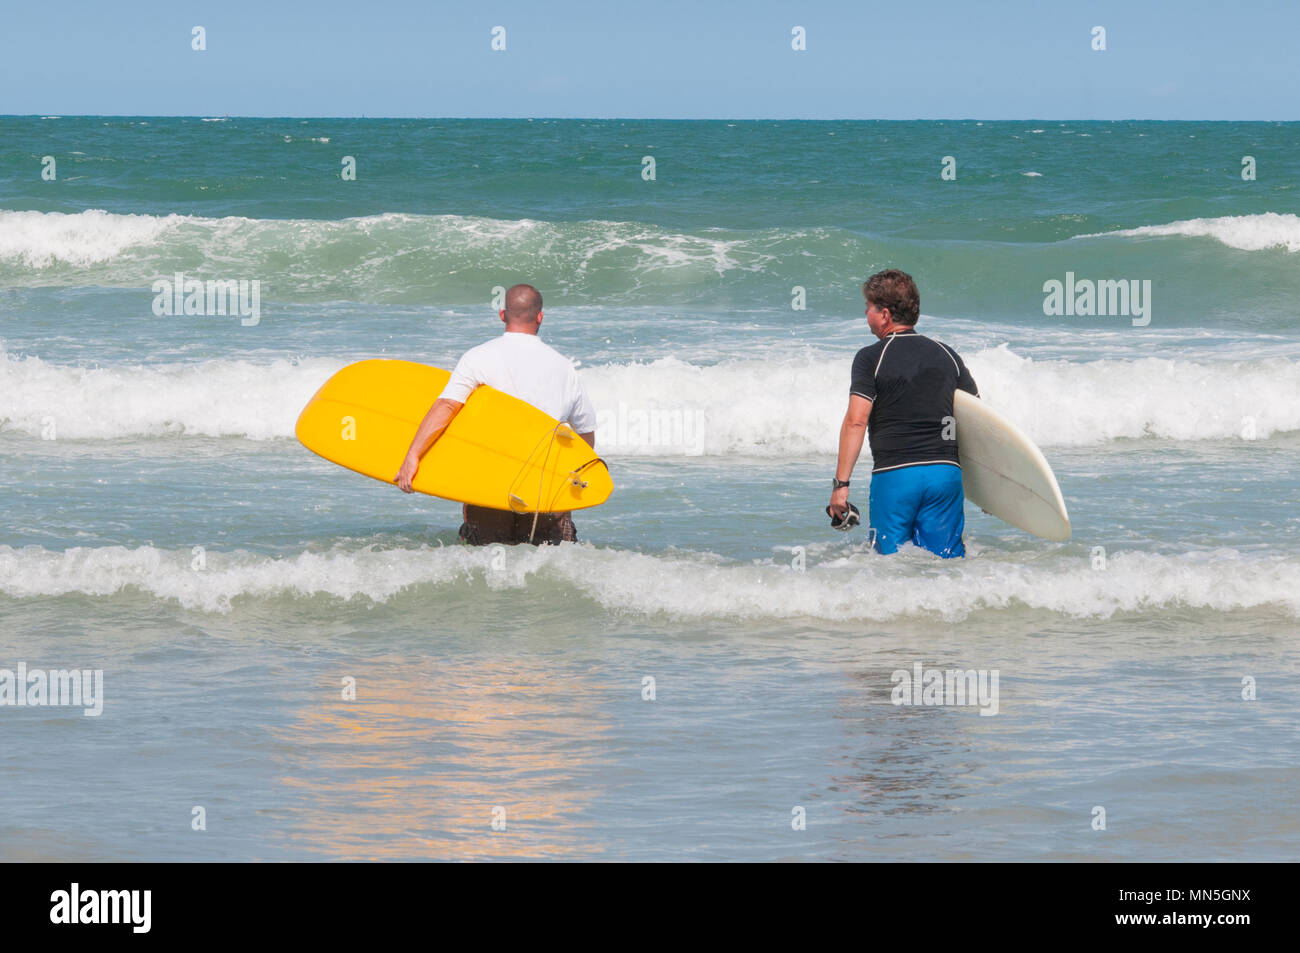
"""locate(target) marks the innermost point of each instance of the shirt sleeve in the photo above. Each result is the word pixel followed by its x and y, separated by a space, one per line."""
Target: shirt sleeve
pixel 964 379
pixel 863 382
pixel 464 379
pixel 582 414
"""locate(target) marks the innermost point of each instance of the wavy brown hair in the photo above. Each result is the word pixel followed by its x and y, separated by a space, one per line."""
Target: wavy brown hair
pixel 895 290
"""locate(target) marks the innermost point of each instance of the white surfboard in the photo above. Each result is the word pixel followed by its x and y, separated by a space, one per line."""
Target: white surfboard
pixel 1003 472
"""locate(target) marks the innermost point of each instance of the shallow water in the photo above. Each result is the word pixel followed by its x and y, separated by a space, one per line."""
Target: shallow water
pixel 163 525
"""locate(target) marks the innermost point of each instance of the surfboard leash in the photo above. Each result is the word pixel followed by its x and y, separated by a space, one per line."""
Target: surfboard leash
pixel 537 507
pixel 574 476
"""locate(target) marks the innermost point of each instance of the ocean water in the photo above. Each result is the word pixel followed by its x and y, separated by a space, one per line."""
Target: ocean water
pixel 709 673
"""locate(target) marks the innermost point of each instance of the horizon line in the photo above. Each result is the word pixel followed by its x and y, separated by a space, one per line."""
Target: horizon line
pixel 50 116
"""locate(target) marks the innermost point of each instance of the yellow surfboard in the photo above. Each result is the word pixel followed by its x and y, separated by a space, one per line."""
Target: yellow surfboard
pixel 498 451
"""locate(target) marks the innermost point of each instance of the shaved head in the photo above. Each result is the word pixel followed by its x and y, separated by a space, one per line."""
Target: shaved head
pixel 523 304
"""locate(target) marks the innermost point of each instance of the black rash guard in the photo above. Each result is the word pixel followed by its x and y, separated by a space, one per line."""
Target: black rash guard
pixel 909 379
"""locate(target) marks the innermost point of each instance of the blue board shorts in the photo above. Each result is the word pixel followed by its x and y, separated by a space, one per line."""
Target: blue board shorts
pixel 921 505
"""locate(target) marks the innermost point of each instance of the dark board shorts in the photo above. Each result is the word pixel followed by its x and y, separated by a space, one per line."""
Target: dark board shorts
pixel 484 526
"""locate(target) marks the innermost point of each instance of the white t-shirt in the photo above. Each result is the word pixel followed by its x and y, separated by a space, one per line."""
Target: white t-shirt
pixel 524 366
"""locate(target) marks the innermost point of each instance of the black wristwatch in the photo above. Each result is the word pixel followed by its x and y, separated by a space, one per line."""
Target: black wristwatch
pixel 836 483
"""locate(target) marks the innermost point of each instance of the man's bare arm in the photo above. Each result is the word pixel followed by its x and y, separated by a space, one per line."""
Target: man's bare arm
pixel 852 432
pixel 431 427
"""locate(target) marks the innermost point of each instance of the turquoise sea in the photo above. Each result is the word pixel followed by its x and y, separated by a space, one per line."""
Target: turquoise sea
pixel 709 673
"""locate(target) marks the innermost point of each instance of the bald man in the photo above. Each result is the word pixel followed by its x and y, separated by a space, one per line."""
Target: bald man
pixel 520 364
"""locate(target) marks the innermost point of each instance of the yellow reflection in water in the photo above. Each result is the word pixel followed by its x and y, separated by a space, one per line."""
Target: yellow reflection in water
pixel 415 766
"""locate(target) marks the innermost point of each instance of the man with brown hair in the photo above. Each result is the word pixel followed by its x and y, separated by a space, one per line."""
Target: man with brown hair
pixel 903 385
pixel 517 363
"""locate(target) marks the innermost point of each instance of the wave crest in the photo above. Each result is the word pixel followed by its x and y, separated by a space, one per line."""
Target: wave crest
pixel 1244 232
pixel 697 586
pixel 670 407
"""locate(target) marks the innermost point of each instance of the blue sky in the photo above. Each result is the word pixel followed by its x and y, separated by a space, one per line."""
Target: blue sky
pixel 913 59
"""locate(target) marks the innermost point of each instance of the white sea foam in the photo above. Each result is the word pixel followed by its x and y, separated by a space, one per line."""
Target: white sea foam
pixel 214 398
pixel 1245 232
pixel 686 585
pixel 42 239
pixel 796 405
pixel 773 407
pixel 48 240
